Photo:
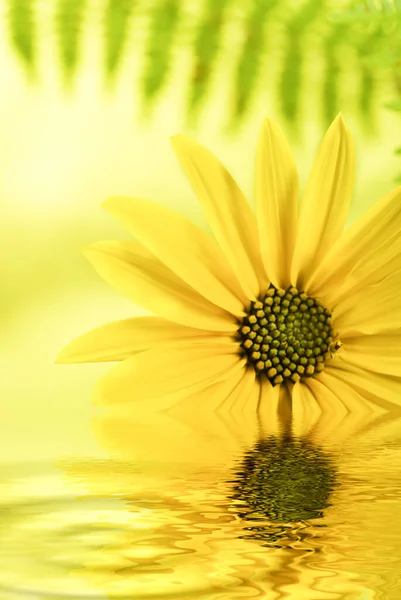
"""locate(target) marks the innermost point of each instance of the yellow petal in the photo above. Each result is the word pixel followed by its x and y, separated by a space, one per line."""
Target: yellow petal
pixel 361 238
pixel 275 408
pixel 121 339
pixel 284 407
pixel 371 310
pixel 167 370
pixel 198 410
pixel 276 197
pixel 332 409
pixel 245 396
pixel 136 274
pixel 268 409
pixel 184 248
pixel 221 400
pixel 250 406
pixel 383 391
pixel 215 397
pixel 325 203
pixel 354 414
pixel 371 270
pixel 380 353
pixel 239 392
pixel 306 411
pixel 227 211
pixel 239 414
pixel 345 394
pixel 192 431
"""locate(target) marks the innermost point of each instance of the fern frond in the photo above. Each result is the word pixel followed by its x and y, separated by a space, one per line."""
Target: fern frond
pixel 164 20
pixel 249 62
pixel 117 18
pixel 368 11
pixel 22 28
pixel 69 18
pixel 331 78
pixel 290 84
pixel 205 50
pixel 366 98
pixel 383 6
pixel 374 40
pixel 367 44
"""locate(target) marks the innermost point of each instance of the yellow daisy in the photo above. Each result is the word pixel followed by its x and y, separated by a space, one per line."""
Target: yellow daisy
pixel 276 302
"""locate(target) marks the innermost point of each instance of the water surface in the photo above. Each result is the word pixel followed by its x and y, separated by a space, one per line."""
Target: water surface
pixel 205 506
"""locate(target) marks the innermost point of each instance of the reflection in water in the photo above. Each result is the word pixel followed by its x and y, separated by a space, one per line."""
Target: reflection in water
pixel 209 506
pixel 280 483
pixel 168 537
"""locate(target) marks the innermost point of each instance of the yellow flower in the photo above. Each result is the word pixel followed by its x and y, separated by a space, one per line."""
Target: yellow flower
pixel 279 301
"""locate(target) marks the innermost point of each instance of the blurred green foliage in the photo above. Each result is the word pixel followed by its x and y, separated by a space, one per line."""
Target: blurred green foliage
pixel 331 85
pixel 291 80
pixel 375 26
pixel 251 55
pixel 22 26
pixel 280 42
pixel 205 51
pixel 117 18
pixel 164 18
pixel 69 16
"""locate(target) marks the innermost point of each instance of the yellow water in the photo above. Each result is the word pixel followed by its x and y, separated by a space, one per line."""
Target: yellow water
pixel 195 505
pixel 133 504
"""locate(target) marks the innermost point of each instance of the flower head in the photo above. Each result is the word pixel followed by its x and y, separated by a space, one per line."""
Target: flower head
pixel 277 299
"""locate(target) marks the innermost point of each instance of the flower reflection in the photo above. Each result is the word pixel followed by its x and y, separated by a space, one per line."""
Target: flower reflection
pixel 211 504
pixel 280 483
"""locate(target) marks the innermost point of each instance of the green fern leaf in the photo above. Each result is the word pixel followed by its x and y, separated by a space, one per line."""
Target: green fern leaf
pixel 290 83
pixel 69 17
pixel 366 97
pixel 22 29
pixel 248 67
pixel 383 6
pixel 331 79
pixel 369 11
pixel 206 48
pixel 289 87
pixel 118 14
pixel 162 34
pixel 369 42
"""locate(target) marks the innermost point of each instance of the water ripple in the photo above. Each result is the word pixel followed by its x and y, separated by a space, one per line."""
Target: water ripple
pixel 280 516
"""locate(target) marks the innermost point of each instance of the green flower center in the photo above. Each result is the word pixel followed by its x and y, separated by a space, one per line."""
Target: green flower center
pixel 287 335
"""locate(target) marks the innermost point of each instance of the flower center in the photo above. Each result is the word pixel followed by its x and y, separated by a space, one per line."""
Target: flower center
pixel 287 335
